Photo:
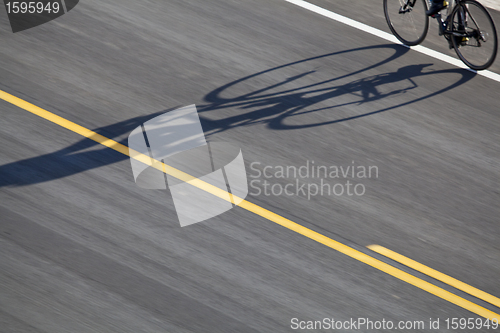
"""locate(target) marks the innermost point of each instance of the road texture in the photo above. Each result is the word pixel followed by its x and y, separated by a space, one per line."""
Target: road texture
pixel 83 249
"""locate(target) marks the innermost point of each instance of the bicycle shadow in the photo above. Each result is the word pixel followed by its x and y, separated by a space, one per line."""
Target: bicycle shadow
pixel 268 105
pixel 272 107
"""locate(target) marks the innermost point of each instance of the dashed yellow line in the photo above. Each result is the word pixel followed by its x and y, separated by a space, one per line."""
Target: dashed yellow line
pixel 273 217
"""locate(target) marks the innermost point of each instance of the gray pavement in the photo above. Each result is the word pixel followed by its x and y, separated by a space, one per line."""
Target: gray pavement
pixel 83 249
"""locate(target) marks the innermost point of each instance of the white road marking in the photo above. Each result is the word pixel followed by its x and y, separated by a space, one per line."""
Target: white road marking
pixel 491 4
pixel 389 37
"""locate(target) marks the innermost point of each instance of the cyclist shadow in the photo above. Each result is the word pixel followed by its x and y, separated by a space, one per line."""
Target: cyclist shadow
pixel 81 156
pixel 275 104
pixel 268 105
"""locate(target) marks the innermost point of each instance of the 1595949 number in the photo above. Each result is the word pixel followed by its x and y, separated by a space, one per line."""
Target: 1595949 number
pixel 32 7
pixel 471 323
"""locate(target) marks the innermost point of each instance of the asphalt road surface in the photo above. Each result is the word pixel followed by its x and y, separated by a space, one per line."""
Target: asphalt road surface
pixel 83 249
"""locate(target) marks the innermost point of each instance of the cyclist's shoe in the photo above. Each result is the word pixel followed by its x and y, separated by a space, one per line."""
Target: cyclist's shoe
pixel 436 7
pixel 461 41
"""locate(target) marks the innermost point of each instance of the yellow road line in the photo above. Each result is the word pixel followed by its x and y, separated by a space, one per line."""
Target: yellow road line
pixel 436 274
pixel 349 251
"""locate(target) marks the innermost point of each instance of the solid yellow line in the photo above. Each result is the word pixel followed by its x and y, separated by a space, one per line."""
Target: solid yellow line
pixel 349 251
pixel 64 122
pixel 436 274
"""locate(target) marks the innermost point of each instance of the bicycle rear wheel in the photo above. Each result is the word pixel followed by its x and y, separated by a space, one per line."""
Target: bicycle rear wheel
pixel 474 35
pixel 407 20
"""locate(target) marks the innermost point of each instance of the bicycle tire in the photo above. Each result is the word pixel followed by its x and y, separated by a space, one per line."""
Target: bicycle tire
pixel 411 27
pixel 471 52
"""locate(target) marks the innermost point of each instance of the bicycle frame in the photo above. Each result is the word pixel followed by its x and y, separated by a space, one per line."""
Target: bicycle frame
pixel 444 23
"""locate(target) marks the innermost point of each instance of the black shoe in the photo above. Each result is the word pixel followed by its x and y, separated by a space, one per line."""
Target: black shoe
pixel 461 41
pixel 436 8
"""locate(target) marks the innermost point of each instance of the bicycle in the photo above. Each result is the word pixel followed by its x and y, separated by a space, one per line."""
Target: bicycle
pixel 466 24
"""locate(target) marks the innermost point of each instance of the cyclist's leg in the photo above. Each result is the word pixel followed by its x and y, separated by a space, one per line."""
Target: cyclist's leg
pixel 462 24
pixel 436 7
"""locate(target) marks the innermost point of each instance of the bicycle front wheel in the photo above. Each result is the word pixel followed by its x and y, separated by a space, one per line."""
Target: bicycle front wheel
pixel 407 20
pixel 474 35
